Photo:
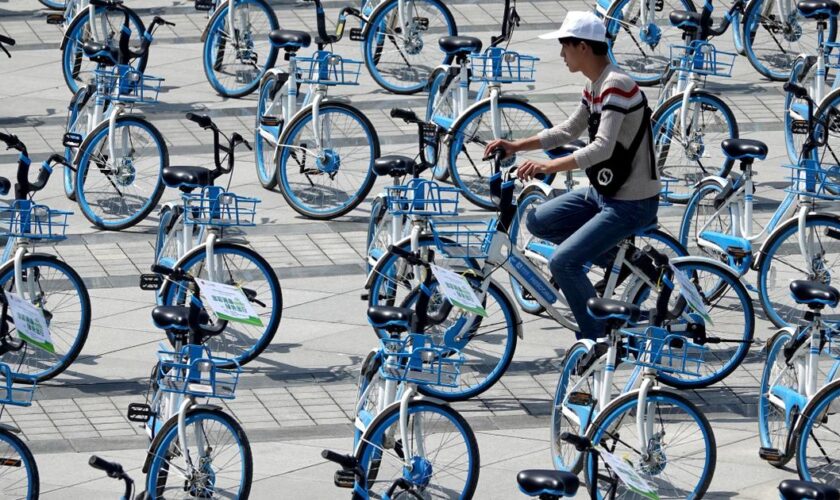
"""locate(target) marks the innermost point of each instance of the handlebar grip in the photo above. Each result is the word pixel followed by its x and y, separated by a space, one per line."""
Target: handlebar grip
pixel 404 114
pixel 203 121
pixel 160 20
pixel 7 40
pixel 113 469
pixel 345 461
pixel 579 442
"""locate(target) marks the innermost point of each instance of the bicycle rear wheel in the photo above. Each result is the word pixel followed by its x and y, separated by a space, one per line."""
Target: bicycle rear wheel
pixel 818 448
pixel 573 416
pixel 701 215
pixel 19 476
pixel 828 155
pixel 442 450
pixel 679 457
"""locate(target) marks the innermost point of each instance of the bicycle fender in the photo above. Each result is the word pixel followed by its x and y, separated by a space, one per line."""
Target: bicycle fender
pixel 11 264
pixel 81 97
pixel 794 436
pixel 706 260
pixel 149 456
pixel 535 185
pixel 377 269
pixel 89 137
pixel 783 227
pixel 233 241
pixel 282 77
pixel 10 428
pixel 76 20
pixel 219 9
pixel 170 205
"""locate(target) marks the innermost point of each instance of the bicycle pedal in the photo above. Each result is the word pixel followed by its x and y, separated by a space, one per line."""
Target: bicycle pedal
pixel 421 23
pixel 659 6
pixel 356 35
pixel 150 281
pixel 72 140
pixel 770 454
pixel 139 412
pixel 799 127
pixel 581 399
pixel 270 121
pixel 365 296
pixel 55 18
pixel 204 5
pixel 344 478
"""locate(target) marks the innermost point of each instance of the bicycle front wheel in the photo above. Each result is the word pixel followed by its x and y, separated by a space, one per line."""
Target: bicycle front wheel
pixel 687 141
pixel 236 59
pixel 401 54
pixel 379 233
pixel 574 406
pixel 441 450
pixel 117 193
pixel 56 288
pixel 529 199
pixel 783 262
pixel 328 182
pixel 677 457
pixel 819 442
pixel 19 473
pixel 474 130
pixel 214 462
pixel 240 266
pixel 775 33
pixel 269 103
pixel 643 48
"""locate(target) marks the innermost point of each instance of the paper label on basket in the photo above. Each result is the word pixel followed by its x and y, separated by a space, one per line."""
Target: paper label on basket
pixel 30 323
pixel 689 291
pixel 457 289
pixel 227 302
pixel 627 475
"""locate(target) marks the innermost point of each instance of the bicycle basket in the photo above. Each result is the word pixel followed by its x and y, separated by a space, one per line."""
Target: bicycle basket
pixel 422 197
pixel 834 341
pixel 655 348
pixel 810 179
pixel 125 84
pixel 832 59
pixel 214 206
pixel 702 58
pixel 503 66
pixel 418 360
pixel 16 393
pixel 326 68
pixel 35 222
pixel 195 372
pixel 665 192
pixel 463 239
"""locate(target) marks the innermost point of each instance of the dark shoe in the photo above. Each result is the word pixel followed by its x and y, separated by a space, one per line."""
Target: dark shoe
pixel 601 285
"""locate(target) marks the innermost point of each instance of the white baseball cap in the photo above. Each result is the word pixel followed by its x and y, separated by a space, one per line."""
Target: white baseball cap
pixel 583 25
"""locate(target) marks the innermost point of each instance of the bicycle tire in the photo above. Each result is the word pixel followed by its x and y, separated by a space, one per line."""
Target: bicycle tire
pixel 699 209
pixel 773 425
pixel 53 4
pixel 829 112
pixel 821 416
pixel 263 149
pixel 373 443
pixel 447 109
pixel 295 182
pixel 564 455
pixel 167 447
pixel 10 447
pixel 378 232
pixel 94 149
pixel 229 344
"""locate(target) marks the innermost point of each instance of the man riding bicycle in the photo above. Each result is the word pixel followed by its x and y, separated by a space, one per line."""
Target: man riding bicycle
pixel 586 224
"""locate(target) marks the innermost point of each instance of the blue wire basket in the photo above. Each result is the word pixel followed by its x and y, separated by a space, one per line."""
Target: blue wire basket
pixel 417 359
pixel 15 393
pixel 810 179
pixel 194 371
pixel 123 83
pixel 25 219
pixel 656 348
pixel 423 197
pixel 326 68
pixel 665 191
pixel 702 58
pixel 214 206
pixel 503 66
pixel 463 239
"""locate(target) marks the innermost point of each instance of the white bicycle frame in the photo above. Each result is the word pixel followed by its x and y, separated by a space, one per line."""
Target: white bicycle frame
pixel 186 237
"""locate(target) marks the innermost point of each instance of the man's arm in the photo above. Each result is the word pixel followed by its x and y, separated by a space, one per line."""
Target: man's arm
pixel 548 138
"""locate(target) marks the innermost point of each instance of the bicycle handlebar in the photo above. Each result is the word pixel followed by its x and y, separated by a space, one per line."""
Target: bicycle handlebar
pixel 8 41
pixel 113 469
pixel 581 443
pixel 234 140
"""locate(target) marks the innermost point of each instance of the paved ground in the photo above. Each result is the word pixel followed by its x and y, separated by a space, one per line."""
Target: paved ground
pixel 297 398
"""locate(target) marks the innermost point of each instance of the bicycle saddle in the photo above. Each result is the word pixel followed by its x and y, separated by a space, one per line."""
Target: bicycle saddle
pixel 175 317
pixel 393 319
pixel 612 309
pixel 548 482
pixel 459 44
pixel 101 53
pixel 393 165
pixel 685 20
pixel 818 10
pixel 793 489
pixel 567 149
pixel 815 295
pixel 187 178
pixel 741 149
pixel 290 39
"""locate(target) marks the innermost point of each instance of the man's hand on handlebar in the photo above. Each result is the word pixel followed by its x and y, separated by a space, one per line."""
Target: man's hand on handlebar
pixel 508 147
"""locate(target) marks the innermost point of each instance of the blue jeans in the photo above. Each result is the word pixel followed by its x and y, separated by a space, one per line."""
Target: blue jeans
pixel 586 227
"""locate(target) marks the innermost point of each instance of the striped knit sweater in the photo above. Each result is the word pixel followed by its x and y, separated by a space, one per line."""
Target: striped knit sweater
pixel 619 101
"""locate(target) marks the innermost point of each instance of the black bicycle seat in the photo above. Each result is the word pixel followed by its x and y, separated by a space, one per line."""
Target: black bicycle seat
pixel 820 10
pixel 815 295
pixel 187 177
pixel 604 309
pixel 393 165
pixel 393 319
pixel 459 44
pixel 101 53
pixel 685 20
pixel 741 149
pixel 567 149
pixel 175 317
pixel 548 482
pixel 794 489
pixel 290 39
